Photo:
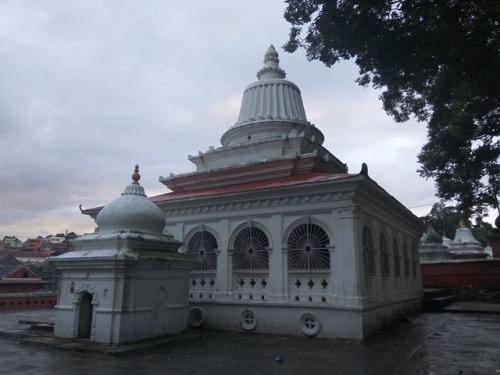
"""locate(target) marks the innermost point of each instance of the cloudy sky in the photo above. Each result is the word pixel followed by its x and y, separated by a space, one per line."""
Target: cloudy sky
pixel 90 88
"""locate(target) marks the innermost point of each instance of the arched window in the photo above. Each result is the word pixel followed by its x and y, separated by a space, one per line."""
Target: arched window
pixel 250 249
pixel 384 255
pixel 406 260
pixel 415 260
pixel 397 258
pixel 202 246
pixel 308 248
pixel 368 251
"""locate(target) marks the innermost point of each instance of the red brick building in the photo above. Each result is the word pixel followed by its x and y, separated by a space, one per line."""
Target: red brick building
pixel 20 287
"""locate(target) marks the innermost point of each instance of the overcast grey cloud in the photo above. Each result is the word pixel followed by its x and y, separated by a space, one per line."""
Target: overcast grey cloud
pixel 90 88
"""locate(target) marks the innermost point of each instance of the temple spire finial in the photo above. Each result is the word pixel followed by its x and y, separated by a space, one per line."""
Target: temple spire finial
pixel 136 176
pixel 271 67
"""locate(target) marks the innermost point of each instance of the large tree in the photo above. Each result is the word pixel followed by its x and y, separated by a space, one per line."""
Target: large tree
pixel 436 60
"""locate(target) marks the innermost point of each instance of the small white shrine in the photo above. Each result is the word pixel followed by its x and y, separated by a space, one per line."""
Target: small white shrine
pixel 126 282
pixel 432 247
pixel 288 241
pixel 465 246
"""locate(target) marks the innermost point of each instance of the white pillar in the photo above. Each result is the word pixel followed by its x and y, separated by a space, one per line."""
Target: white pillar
pixel 277 267
pixel 224 264
pixel 349 278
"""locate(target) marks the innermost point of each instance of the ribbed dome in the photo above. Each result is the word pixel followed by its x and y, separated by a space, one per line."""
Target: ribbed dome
pixel 271 108
pixel 132 211
pixel 271 98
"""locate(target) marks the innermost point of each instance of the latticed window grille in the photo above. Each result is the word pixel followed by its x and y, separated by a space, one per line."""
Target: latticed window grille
pixel 202 246
pixel 384 255
pixel 250 249
pixel 368 251
pixel 308 248
pixel 397 258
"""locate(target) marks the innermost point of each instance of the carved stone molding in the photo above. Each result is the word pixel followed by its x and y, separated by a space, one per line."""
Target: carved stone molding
pixel 348 212
pixel 86 288
pixel 257 203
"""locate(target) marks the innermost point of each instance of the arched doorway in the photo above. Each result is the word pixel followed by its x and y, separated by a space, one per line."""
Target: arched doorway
pixel 85 316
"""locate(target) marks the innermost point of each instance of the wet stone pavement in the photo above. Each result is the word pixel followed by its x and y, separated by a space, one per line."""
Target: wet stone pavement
pixel 439 343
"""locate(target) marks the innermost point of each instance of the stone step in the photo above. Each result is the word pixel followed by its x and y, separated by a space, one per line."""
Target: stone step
pixel 435 292
pixel 437 299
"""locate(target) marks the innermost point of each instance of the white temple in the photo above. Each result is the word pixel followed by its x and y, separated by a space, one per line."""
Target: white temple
pixel 289 242
pixel 126 282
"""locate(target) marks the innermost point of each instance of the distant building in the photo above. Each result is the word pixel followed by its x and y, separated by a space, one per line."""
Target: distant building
pixel 60 247
pixel 16 277
pixel 28 258
pixel 20 287
pixel 35 244
pixel 11 242
pixel 56 239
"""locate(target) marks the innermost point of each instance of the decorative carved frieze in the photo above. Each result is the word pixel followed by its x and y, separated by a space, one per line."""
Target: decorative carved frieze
pixel 258 203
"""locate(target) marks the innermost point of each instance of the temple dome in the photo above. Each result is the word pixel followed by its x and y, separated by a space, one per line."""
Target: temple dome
pixel 271 107
pixel 465 246
pixel 132 211
pixel 464 236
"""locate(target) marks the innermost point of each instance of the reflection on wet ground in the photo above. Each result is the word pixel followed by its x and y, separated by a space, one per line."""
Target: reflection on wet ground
pixel 440 343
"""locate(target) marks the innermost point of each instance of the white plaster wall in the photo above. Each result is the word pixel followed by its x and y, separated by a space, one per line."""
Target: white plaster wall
pixel 352 300
pixel 124 297
pixel 285 319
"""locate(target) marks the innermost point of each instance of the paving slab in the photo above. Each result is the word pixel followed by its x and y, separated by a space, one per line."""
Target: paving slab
pixel 430 343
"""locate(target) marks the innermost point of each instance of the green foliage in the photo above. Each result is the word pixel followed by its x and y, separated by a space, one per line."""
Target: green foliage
pixel 437 60
pixel 444 220
pixel 481 234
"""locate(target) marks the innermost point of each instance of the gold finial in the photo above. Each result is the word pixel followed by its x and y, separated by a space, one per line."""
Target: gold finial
pixel 136 176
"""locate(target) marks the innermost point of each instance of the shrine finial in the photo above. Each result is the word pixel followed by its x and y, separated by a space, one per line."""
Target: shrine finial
pixel 136 176
pixel 271 67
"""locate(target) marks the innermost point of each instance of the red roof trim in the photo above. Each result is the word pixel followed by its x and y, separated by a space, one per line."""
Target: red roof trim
pixel 308 178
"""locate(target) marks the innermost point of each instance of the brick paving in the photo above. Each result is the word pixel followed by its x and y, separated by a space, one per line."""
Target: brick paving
pixel 430 343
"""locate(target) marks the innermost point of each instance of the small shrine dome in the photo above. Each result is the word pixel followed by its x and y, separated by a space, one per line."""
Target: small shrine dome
pixel 464 236
pixel 132 211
